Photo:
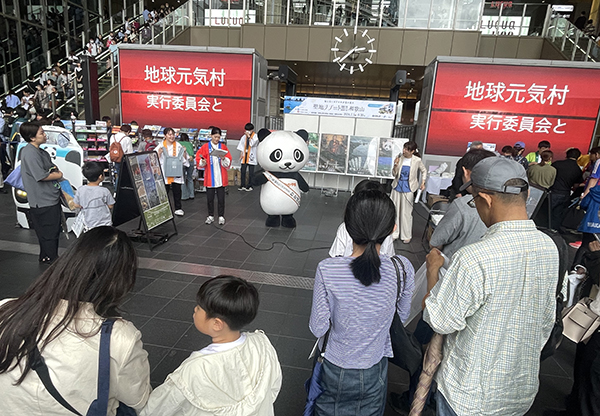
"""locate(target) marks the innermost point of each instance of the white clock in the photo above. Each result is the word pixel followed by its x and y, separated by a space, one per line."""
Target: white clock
pixel 354 50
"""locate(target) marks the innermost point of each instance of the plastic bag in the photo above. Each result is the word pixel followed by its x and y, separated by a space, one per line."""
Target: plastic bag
pixel 416 304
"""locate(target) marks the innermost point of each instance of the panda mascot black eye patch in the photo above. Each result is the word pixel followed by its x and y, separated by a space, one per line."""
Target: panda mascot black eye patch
pixel 276 155
pixel 281 155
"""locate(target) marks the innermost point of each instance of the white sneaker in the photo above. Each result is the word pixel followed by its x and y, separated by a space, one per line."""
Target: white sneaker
pixel 209 220
pixel 221 221
pixel 241 188
pixel 249 189
pixel 179 212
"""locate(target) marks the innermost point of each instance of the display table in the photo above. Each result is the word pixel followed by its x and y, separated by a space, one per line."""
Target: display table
pixel 434 185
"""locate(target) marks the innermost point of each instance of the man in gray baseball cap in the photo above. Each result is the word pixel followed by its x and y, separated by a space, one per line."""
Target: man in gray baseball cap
pixel 496 302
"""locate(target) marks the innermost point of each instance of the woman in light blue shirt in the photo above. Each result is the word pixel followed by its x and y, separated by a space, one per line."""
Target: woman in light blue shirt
pixel 355 297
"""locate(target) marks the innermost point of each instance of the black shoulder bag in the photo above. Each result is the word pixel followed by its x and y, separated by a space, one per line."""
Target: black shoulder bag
pixel 407 350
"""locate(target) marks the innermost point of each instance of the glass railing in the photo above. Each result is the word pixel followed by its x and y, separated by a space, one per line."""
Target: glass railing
pixel 107 61
pixel 574 44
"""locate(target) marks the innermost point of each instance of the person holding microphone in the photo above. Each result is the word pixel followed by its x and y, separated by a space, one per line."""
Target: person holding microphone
pixel 406 182
pixel 215 158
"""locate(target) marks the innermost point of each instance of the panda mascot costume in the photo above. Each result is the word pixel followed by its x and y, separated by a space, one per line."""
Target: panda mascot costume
pixel 281 155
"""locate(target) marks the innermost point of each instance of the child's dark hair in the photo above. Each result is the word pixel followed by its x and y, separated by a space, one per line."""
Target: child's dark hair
pixel 126 128
pixel 229 298
pixel 92 171
pixel 366 185
pixel 369 219
pixel 146 133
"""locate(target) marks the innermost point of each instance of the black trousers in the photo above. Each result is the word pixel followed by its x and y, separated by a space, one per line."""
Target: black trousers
pixel 176 187
pixel 210 199
pixel 46 222
pixel 246 182
pixel 559 204
pixel 585 396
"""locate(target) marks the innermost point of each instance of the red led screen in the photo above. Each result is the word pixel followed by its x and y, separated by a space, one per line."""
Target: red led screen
pixel 503 104
pixel 186 89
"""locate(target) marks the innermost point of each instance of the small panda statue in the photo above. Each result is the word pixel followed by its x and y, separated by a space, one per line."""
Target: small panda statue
pixel 281 154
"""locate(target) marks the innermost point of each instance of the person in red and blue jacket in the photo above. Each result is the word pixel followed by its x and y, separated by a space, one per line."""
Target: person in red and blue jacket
pixel 215 174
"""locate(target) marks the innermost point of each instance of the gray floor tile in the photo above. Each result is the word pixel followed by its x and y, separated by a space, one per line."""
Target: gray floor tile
pixel 294 352
pixel 146 305
pixel 193 340
pixel 296 326
pixel 163 332
pixel 179 310
pixel 270 322
pixel 164 288
pixel 169 363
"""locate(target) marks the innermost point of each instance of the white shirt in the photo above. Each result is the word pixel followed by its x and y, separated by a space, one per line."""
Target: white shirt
pixel 225 346
pixel 253 142
pixel 342 245
pixel 124 140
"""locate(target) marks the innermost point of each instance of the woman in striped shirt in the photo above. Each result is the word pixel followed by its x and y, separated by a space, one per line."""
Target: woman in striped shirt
pixel 355 297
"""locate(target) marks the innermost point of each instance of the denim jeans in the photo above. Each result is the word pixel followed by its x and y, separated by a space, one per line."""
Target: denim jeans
pixel 351 392
pixel 187 189
pixel 443 408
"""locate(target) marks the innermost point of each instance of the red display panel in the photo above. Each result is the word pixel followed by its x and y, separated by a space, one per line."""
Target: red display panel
pixel 503 104
pixel 186 89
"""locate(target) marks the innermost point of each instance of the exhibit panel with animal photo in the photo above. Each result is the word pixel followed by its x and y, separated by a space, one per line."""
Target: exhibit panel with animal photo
pixel 333 153
pixel 389 148
pixel 362 155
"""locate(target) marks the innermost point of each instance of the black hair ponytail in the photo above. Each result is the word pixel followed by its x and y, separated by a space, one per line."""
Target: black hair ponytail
pixel 369 219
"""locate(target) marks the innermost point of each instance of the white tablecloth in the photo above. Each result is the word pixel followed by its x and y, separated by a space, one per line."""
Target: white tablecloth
pixel 434 185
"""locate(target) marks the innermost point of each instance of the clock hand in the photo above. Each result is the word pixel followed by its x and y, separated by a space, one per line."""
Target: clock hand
pixel 350 52
pixel 359 49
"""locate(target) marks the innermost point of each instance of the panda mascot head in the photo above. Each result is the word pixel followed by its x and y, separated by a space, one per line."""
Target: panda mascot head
pixel 281 154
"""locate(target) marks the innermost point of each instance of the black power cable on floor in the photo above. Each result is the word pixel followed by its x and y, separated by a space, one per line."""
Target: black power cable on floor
pixel 272 244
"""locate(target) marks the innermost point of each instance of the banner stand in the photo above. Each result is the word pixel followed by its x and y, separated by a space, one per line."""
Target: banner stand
pixel 141 192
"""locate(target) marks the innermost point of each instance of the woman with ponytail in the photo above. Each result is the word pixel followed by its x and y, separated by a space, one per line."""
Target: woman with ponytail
pixel 355 299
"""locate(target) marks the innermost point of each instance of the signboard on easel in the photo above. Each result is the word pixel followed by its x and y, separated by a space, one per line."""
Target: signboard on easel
pixel 141 192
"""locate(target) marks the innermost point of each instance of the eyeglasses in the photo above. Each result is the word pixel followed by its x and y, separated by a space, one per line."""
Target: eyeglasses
pixel 471 203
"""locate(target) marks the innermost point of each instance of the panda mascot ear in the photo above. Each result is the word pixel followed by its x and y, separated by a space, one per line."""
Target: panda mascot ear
pixel 303 133
pixel 262 133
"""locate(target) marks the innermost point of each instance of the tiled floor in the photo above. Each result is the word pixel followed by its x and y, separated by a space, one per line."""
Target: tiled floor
pixel 162 302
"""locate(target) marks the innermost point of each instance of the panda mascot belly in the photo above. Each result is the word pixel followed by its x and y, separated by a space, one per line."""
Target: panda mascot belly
pixel 281 155
pixel 271 200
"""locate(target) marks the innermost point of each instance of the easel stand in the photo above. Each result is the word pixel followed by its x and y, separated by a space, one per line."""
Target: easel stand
pixel 141 193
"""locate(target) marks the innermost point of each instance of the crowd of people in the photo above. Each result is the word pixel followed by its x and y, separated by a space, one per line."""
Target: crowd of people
pixel 489 291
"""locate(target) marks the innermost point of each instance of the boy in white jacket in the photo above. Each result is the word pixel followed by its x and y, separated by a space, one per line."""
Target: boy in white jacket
pixel 238 374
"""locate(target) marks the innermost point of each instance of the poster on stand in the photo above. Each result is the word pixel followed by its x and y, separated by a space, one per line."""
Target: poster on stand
pixel 333 152
pixel 150 188
pixel 388 150
pixel 362 155
pixel 313 152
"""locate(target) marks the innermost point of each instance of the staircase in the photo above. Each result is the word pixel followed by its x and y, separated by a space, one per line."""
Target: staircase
pixel 572 42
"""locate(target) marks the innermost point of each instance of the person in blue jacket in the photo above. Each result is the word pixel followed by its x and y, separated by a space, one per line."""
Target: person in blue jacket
pixel 591 222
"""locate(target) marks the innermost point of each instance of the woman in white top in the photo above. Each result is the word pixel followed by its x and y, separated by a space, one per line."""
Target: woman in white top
pixel 406 182
pixel 171 148
pixel 61 314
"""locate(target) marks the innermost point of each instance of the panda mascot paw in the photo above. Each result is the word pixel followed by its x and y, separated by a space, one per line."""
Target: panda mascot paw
pixel 281 155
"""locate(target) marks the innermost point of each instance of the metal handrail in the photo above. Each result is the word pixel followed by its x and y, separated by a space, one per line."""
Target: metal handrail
pixel 565 35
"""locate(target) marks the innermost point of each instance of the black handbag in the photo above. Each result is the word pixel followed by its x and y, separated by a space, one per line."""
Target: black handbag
pixel 407 350
pixel 573 217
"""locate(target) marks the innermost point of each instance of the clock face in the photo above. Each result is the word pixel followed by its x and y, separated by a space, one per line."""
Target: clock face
pixel 353 50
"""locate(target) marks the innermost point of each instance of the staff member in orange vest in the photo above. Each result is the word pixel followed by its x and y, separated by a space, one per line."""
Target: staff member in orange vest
pixel 247 147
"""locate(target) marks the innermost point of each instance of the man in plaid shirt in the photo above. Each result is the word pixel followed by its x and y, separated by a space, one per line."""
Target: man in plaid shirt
pixel 496 303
